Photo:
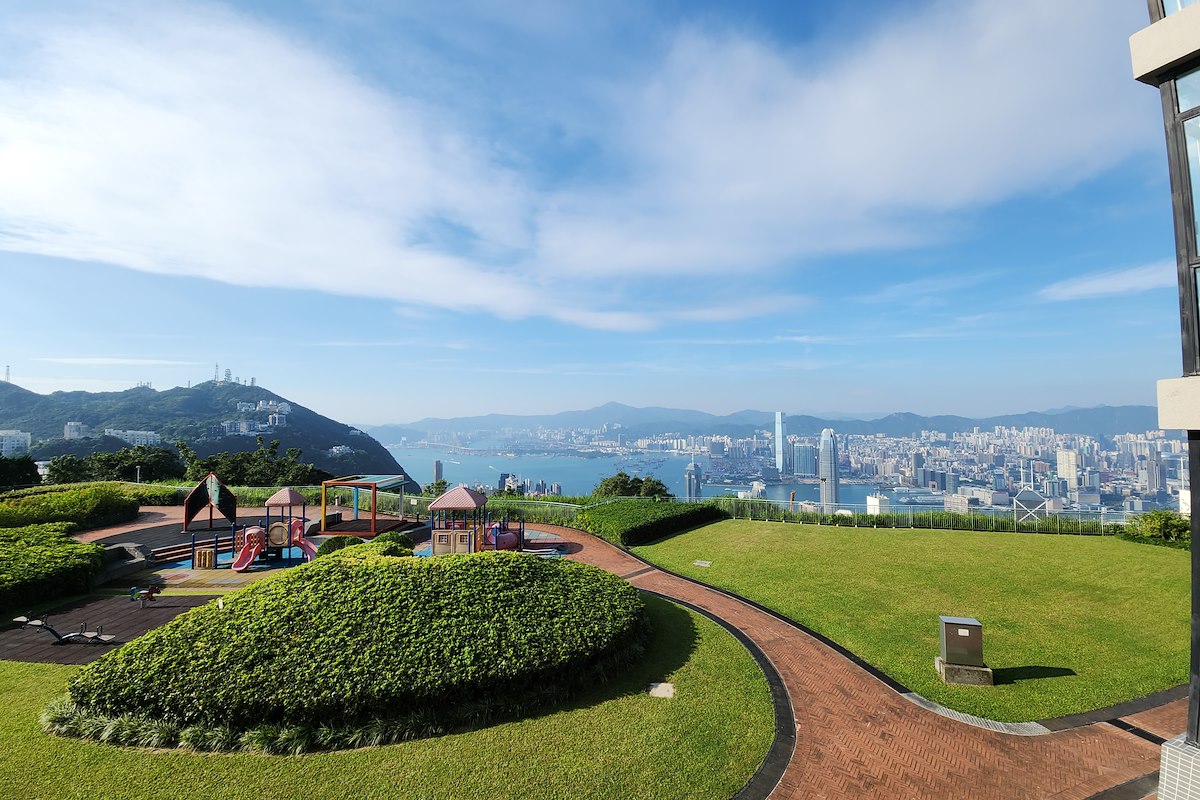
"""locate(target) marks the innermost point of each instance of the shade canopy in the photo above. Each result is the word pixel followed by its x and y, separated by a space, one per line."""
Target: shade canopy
pixel 459 499
pixel 286 497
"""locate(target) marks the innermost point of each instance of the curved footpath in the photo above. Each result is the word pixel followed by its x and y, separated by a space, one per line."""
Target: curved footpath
pixel 857 737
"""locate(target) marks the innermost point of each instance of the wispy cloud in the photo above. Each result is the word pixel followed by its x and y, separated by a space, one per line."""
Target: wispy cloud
pixel 109 361
pixel 925 291
pixel 1158 275
pixel 195 140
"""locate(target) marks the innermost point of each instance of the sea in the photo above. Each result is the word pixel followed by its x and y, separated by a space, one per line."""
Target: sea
pixel 579 475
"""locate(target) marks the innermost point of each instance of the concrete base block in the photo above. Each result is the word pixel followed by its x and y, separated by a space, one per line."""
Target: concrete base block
pixel 962 673
pixel 1179 771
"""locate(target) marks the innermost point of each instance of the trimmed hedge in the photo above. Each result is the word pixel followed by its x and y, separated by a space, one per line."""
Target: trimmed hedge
pixel 361 648
pixel 634 521
pixel 88 507
pixel 42 562
pixel 335 543
pixel 395 537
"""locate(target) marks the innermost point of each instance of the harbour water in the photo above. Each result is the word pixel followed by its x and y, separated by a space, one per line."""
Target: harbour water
pixel 579 475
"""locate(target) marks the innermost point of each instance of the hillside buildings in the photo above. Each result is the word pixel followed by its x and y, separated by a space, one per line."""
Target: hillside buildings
pixel 14 443
pixel 135 438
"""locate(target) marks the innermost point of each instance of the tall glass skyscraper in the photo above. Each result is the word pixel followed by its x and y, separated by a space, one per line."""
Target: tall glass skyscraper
pixel 783 456
pixel 691 478
pixel 827 470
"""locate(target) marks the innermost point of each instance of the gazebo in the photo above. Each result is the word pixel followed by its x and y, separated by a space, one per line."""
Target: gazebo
pixel 456 521
pixel 459 523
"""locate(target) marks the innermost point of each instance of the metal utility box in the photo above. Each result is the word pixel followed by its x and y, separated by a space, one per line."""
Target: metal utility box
pixel 962 641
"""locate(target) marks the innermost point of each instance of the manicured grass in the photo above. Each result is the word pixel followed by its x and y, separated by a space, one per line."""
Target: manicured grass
pixel 1070 623
pixel 615 742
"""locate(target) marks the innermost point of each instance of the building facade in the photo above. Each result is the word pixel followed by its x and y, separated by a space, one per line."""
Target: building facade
pixel 827 469
pixel 691 479
pixel 783 455
pixel 14 443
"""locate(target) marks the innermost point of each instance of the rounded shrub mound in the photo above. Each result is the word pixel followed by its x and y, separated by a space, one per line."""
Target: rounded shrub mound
pixel 361 648
pixel 335 543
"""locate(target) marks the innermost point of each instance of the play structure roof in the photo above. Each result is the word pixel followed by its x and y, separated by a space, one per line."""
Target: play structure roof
pixel 286 497
pixel 459 499
pixel 381 482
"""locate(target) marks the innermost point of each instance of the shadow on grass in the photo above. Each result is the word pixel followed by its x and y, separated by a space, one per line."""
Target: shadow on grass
pixel 673 640
pixel 1007 675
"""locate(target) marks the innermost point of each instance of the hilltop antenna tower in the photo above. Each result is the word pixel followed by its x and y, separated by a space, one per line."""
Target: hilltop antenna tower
pixel 6 374
pixel 216 373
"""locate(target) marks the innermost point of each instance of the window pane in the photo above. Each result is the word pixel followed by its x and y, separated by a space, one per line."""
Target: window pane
pixel 1187 86
pixel 1171 6
pixel 1191 130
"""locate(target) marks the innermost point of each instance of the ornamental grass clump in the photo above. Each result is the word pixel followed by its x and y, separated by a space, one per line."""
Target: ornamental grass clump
pixel 361 648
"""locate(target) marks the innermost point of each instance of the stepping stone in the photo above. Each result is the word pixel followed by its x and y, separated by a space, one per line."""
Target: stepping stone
pixel 662 690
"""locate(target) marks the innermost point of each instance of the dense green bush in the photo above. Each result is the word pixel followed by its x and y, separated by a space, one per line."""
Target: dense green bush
pixel 632 521
pixel 155 494
pixel 42 562
pixel 1163 528
pixel 395 537
pixel 359 648
pixel 89 506
pixel 335 543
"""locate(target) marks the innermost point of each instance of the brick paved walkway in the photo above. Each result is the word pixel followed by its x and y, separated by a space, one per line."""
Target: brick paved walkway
pixel 856 737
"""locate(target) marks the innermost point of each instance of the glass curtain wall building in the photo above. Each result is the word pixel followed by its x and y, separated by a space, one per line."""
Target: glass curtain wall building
pixel 828 470
pixel 783 453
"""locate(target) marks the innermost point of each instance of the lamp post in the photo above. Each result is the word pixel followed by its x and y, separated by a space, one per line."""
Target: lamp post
pixel 1166 54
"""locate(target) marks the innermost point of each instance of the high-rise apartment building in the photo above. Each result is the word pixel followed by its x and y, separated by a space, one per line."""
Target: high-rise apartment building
pixel 1068 467
pixel 827 469
pixel 783 455
pixel 74 430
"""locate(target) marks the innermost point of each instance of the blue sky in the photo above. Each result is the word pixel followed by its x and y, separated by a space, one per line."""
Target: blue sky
pixel 387 211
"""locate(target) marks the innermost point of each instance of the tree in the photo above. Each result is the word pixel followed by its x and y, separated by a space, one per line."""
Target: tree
pixel 1168 526
pixel 435 489
pixel 260 467
pixel 69 469
pixel 18 471
pixel 621 485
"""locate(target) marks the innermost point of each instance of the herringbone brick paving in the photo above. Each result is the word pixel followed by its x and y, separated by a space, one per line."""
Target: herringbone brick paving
pixel 856 737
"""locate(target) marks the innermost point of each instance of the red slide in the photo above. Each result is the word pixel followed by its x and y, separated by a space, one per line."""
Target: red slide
pixel 256 541
pixel 308 548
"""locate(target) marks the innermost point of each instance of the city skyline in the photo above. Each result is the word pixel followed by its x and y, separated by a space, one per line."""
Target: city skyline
pixel 571 204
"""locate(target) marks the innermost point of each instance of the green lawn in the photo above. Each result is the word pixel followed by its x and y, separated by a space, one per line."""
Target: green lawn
pixel 1113 613
pixel 618 742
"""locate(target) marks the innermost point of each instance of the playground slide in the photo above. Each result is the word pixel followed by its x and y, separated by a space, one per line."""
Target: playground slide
pixel 310 549
pixel 247 554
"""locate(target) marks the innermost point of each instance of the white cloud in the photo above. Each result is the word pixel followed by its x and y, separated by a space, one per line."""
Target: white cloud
pixel 748 155
pixel 194 140
pixel 1159 275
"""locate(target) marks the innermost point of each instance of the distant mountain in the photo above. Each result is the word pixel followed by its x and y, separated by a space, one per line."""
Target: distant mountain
pixel 188 414
pixel 1099 422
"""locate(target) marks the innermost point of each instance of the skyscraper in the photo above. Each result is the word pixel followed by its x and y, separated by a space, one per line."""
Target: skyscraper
pixel 783 457
pixel 827 470
pixel 437 469
pixel 691 477
pixel 804 460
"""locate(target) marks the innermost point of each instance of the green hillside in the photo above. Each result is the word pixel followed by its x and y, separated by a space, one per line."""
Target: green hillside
pixel 189 414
